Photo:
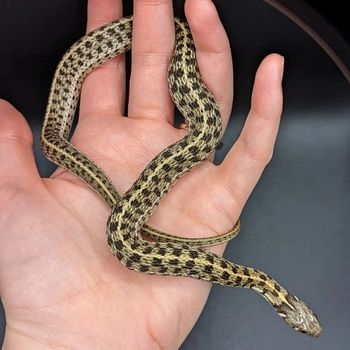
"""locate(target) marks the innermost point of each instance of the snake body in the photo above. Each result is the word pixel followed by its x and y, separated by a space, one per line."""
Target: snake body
pixel 86 54
pixel 129 213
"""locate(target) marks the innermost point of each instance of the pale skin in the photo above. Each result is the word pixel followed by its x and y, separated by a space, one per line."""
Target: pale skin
pixel 60 285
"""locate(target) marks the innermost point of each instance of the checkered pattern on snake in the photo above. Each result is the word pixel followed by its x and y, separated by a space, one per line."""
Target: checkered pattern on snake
pixel 130 212
pixel 89 52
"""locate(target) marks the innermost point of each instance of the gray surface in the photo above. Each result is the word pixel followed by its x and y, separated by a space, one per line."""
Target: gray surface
pixel 295 225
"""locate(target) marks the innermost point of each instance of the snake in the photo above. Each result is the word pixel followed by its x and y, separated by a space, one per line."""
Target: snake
pixel 166 254
pixel 70 73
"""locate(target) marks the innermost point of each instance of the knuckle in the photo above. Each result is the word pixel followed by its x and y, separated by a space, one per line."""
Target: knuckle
pixel 152 59
pixel 152 2
pixel 261 156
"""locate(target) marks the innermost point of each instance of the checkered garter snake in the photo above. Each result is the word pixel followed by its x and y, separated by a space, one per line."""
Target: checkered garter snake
pixel 168 255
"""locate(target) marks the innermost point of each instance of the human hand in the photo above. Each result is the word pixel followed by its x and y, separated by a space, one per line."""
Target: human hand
pixel 59 283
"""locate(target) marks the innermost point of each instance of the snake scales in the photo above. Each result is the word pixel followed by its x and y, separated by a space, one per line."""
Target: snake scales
pixel 169 255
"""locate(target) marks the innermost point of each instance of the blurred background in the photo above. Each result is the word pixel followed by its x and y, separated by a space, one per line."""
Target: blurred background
pixel 295 225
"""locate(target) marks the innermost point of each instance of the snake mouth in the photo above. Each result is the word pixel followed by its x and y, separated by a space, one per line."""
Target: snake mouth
pixel 299 316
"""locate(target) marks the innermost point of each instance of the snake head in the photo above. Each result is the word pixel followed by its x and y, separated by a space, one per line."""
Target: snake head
pixel 297 314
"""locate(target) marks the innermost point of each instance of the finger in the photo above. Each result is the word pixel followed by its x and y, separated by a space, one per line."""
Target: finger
pixel 152 47
pixel 17 163
pixel 213 52
pixel 244 164
pixel 104 88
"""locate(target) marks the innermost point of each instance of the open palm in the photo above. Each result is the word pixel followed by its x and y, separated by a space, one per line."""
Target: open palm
pixel 59 283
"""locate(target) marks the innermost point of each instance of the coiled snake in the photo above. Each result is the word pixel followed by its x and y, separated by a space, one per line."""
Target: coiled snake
pixel 169 255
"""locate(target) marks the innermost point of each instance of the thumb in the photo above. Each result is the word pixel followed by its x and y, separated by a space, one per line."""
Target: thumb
pixel 17 163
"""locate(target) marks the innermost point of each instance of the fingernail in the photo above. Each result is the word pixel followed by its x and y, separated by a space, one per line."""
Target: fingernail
pixel 281 68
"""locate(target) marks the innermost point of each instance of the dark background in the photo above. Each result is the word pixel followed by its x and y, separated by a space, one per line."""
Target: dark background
pixel 295 225
pixel 334 14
